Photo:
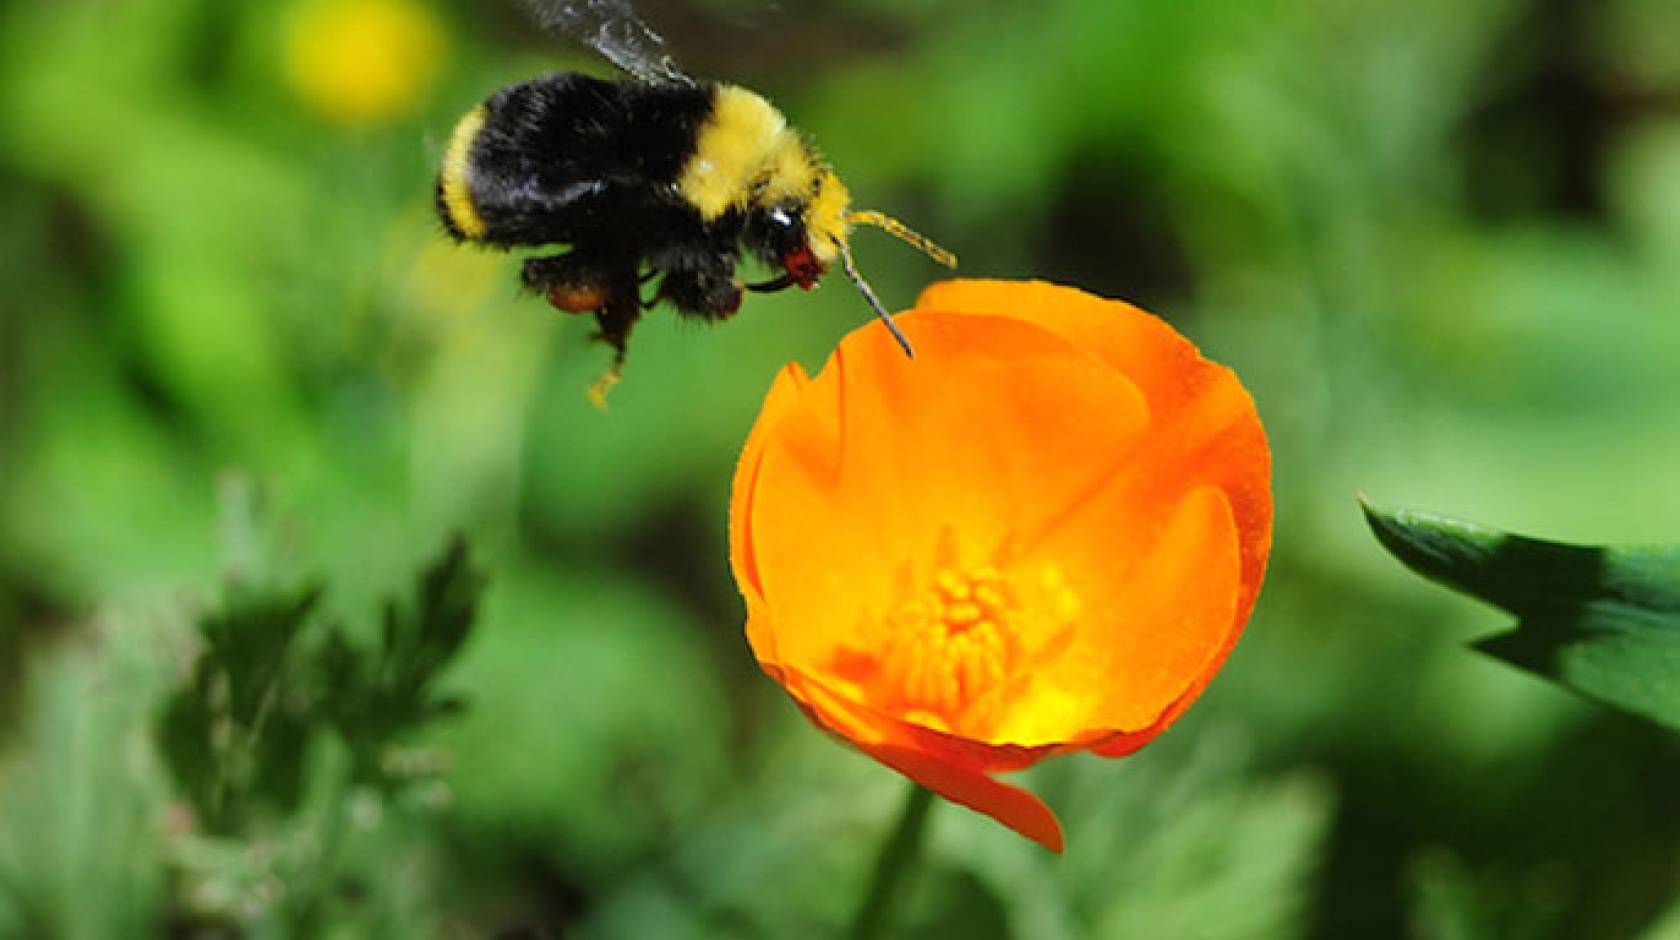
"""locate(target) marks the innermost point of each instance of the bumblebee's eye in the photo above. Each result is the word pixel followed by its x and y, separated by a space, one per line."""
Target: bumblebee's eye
pixel 790 244
pixel 787 229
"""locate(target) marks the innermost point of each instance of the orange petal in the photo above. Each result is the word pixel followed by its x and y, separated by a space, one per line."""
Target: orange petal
pixel 949 748
pixel 784 393
pixel 1220 439
pixel 1133 341
pixel 1153 605
pixel 993 422
pixel 1217 436
pixel 1013 806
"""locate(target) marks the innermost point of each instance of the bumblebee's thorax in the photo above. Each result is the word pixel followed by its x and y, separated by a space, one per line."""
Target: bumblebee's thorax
pixel 744 153
pixel 747 158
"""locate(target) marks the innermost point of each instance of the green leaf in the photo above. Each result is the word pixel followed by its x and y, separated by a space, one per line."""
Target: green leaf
pixel 234 737
pixel 378 698
pixel 1604 621
pixel 269 684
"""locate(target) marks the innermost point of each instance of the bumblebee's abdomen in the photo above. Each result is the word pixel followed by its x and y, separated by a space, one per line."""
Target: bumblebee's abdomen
pixel 566 157
pixel 455 203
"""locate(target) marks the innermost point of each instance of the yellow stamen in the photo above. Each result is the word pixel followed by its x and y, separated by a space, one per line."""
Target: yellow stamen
pixel 950 647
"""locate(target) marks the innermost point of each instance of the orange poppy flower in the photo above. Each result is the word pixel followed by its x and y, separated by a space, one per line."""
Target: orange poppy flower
pixel 1042 535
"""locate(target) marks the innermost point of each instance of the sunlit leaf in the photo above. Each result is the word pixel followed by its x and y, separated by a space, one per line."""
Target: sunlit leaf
pixel 1604 621
pixel 1667 926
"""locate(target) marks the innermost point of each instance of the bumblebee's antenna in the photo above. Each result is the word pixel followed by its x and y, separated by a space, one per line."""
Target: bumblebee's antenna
pixel 903 233
pixel 869 295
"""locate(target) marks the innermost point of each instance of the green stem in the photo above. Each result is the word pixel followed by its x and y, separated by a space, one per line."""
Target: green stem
pixel 899 856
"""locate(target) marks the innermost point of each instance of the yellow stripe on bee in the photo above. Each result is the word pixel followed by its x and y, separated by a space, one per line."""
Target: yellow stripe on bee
pixel 790 173
pixel 457 164
pixel 825 218
pixel 744 152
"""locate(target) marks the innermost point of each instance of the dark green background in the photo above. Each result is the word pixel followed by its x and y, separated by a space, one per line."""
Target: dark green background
pixel 1440 241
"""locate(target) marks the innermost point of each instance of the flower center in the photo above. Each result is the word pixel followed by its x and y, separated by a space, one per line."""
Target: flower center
pixel 960 649
pixel 949 650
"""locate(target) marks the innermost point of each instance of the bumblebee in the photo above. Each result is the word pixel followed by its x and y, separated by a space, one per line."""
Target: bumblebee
pixel 655 182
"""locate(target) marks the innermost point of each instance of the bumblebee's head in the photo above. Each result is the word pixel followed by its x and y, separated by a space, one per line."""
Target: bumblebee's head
pixel 782 237
pixel 804 236
pixel 797 214
pixel 829 235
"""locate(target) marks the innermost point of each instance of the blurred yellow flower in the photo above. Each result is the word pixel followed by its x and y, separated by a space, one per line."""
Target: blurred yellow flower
pixel 363 62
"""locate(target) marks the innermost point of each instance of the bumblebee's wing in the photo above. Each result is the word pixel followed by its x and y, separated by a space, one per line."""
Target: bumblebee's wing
pixel 611 28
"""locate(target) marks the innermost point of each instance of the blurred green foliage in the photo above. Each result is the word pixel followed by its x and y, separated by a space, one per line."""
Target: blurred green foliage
pixel 237 735
pixel 280 708
pixel 1439 240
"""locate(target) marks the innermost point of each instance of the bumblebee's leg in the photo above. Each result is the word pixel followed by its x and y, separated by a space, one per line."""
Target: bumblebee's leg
pixel 641 281
pixel 616 317
pixel 773 285
pixel 602 282
pixel 709 293
pixel 576 282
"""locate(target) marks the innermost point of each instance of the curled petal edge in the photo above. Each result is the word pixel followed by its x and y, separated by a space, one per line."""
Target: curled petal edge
pixel 782 397
pixel 955 780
